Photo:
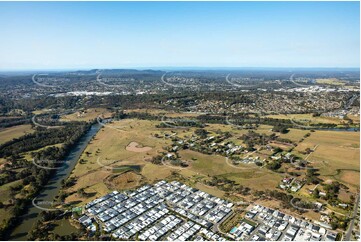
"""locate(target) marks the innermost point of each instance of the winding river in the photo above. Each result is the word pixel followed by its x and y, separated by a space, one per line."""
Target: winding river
pixel 51 190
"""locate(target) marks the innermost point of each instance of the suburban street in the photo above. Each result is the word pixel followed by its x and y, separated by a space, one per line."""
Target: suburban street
pixel 352 222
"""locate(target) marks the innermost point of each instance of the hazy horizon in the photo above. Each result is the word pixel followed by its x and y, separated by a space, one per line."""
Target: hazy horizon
pixel 191 68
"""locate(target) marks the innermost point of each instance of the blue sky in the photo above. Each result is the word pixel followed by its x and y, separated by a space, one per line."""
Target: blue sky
pixel 74 35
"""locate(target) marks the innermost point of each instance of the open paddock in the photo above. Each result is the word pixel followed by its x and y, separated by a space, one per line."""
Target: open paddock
pixel 87 115
pixel 11 133
pixel 335 151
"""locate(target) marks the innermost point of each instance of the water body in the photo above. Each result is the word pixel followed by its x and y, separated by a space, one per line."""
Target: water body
pixel 336 129
pixel 51 190
pixel 345 129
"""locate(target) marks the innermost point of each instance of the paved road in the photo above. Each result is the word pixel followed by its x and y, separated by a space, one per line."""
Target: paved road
pixel 352 222
pixel 350 101
pixel 216 228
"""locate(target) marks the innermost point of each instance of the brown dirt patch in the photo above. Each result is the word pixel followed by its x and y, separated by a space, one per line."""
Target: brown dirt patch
pixel 350 177
pixel 135 147
pixel 344 196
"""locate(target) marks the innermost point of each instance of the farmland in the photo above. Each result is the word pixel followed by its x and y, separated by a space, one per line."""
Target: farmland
pixel 110 148
pixel 86 115
pixel 309 119
pixel 132 142
pixel 339 151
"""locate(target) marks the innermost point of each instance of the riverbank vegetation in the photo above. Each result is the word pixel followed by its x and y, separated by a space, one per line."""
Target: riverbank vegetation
pixel 22 179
